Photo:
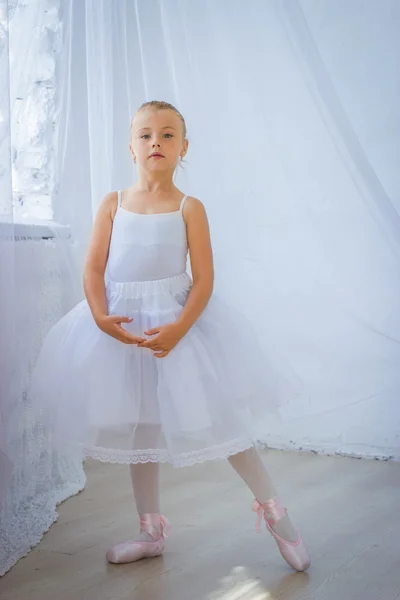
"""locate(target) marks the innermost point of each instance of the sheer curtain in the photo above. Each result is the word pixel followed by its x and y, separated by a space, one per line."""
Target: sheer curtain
pixel 7 252
pixel 293 156
pixel 38 285
pixel 300 193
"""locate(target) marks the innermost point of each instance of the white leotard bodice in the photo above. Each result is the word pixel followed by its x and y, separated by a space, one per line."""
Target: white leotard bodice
pixel 146 247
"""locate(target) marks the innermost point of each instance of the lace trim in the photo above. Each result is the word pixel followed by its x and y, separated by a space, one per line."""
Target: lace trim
pixel 185 459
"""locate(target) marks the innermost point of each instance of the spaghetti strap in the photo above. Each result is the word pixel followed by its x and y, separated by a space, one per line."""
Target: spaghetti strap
pixel 182 203
pixel 119 198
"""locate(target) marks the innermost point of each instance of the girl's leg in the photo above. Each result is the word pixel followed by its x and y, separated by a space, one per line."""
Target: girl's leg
pixel 153 526
pixel 145 483
pixel 145 476
pixel 249 466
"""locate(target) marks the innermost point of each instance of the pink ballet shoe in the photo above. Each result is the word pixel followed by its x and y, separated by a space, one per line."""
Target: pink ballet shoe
pixel 295 553
pixel 125 552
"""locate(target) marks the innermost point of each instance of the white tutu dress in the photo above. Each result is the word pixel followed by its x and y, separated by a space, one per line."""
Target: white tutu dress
pixel 212 396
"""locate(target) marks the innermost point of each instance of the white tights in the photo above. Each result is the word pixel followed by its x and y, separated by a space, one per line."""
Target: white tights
pixel 248 465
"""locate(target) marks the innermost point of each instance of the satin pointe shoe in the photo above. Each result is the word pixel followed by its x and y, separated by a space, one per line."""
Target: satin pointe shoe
pixel 295 553
pixel 125 552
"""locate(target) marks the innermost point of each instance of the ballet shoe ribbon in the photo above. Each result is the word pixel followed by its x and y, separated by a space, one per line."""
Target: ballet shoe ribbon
pixel 156 525
pixel 258 508
pixel 272 510
pixel 165 526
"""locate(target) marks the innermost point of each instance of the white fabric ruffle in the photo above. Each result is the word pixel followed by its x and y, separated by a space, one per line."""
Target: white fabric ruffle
pixel 214 395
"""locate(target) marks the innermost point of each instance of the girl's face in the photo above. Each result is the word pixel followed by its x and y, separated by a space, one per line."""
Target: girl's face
pixel 157 141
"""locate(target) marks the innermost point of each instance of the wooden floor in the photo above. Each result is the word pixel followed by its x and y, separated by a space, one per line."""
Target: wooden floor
pixel 347 510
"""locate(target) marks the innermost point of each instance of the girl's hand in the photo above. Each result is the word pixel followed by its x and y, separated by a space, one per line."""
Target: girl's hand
pixel 111 324
pixel 166 338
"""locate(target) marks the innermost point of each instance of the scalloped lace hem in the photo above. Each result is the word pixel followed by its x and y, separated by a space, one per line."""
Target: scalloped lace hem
pixel 27 526
pixel 184 459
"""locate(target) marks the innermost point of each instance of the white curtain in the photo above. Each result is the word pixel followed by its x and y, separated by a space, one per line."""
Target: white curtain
pixel 293 121
pixel 293 124
pixel 38 282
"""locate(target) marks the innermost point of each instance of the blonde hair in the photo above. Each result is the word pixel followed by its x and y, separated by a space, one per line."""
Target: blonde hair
pixel 160 105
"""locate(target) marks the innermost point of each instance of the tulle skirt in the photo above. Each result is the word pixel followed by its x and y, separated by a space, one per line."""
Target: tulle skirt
pixel 214 395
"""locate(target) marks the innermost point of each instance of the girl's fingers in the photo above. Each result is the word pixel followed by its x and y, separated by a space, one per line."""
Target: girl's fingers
pixel 161 354
pixel 152 331
pixel 126 337
pixel 122 333
pixel 118 319
pixel 150 343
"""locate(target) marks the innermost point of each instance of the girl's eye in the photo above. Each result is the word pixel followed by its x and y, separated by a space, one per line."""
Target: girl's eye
pixel 146 135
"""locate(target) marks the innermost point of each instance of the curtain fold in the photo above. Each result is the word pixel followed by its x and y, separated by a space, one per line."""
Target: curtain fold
pixel 337 122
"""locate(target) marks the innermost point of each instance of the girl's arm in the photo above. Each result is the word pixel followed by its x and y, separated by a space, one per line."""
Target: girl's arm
pixel 93 274
pixel 96 259
pixel 201 260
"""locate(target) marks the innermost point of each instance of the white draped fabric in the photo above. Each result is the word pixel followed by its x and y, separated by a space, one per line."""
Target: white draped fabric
pixel 293 122
pixel 38 285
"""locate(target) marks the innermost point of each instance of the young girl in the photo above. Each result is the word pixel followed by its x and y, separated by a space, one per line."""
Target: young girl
pixel 153 367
